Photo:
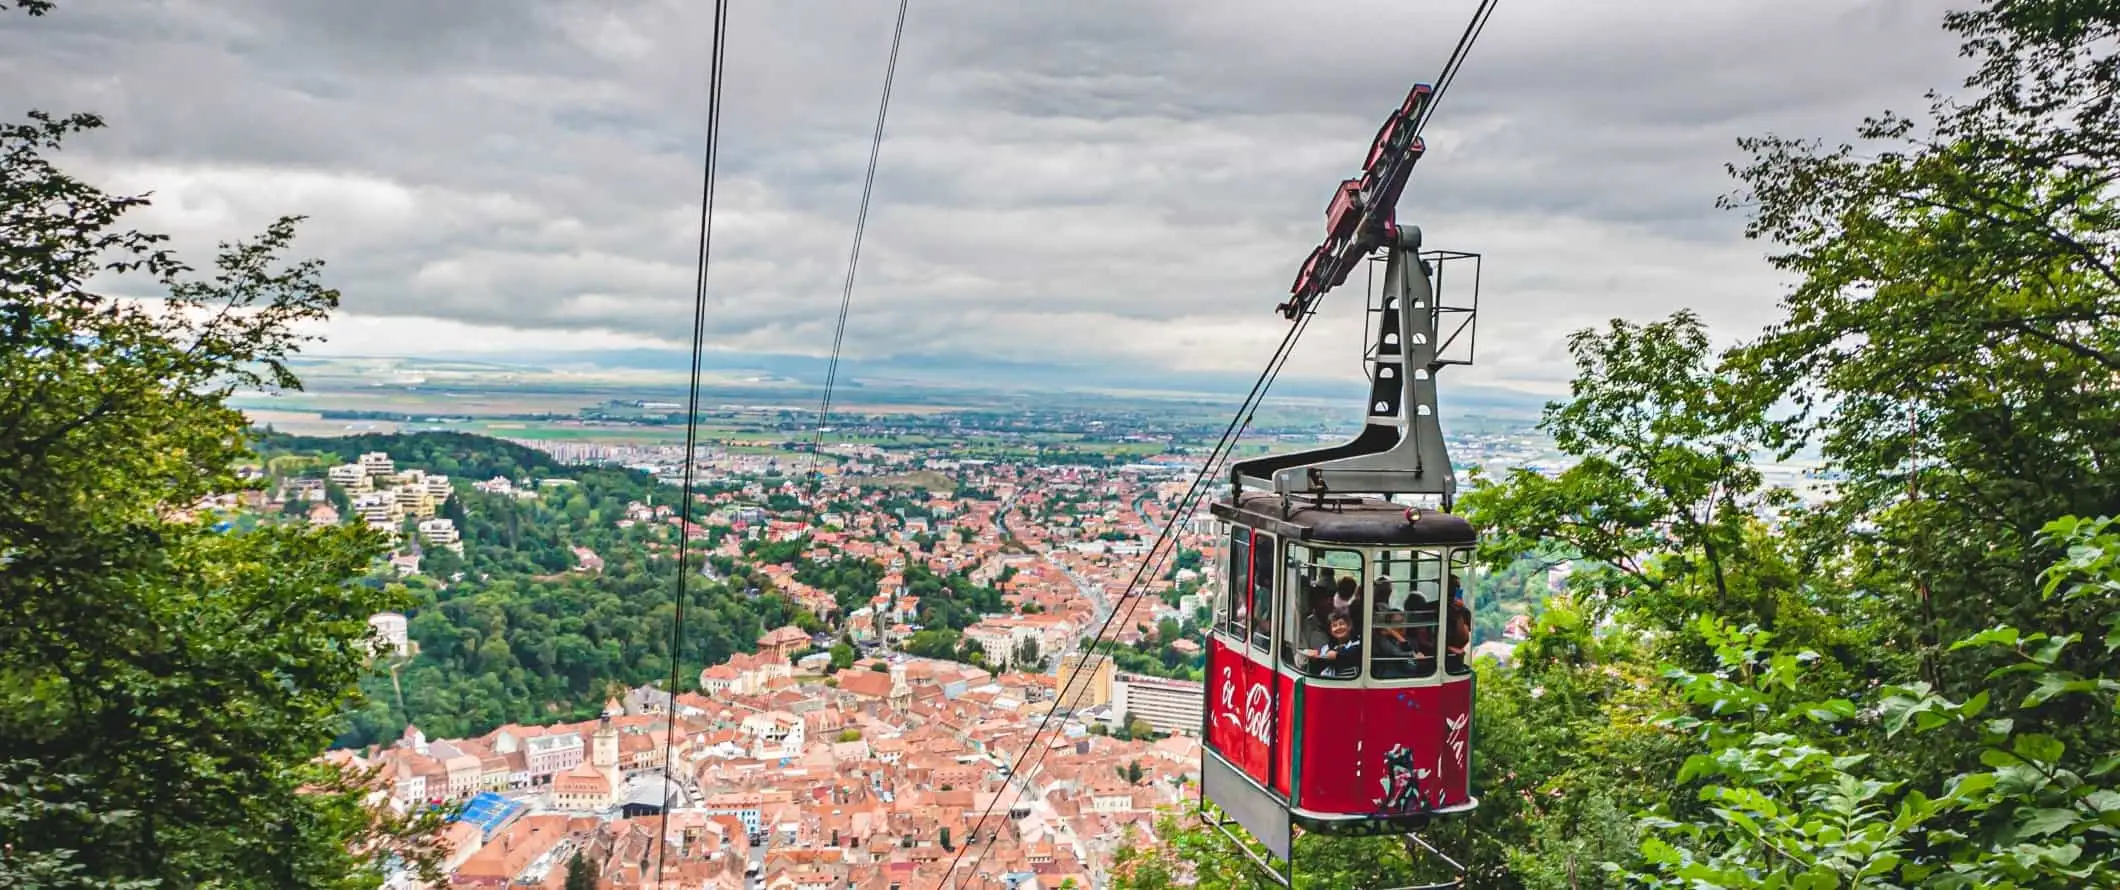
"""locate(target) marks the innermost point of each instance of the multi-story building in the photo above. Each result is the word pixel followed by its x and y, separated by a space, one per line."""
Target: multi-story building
pixel 349 476
pixel 552 754
pixel 774 734
pixel 747 807
pixel 1088 679
pixel 413 500
pixel 377 464
pixel 378 509
pixel 441 533
pixel 1169 706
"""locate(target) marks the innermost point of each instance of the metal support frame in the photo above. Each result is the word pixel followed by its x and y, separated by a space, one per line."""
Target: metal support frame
pixel 1283 871
pixel 1400 449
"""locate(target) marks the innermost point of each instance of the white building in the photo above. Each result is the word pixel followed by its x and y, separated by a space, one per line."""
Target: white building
pixel 378 464
pixel 774 734
pixel 441 533
pixel 349 476
pixel 379 509
pixel 390 632
pixel 1169 706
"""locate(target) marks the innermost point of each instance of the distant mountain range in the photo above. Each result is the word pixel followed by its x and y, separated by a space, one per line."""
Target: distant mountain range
pixel 987 374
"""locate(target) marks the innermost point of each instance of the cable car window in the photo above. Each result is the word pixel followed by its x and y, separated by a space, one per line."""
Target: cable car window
pixel 1324 589
pixel 1407 594
pixel 1262 590
pixel 1459 617
pixel 1237 582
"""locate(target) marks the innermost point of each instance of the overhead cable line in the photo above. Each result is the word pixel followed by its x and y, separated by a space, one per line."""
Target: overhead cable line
pixel 709 163
pixel 1148 560
pixel 1471 35
pixel 861 221
pixel 1224 448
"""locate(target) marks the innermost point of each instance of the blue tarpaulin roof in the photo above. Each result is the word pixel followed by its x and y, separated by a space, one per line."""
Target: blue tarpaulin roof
pixel 489 811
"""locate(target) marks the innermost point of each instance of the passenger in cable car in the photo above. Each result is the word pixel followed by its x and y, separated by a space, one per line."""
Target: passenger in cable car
pixel 1397 647
pixel 1341 656
pixel 1347 597
pixel 1317 619
pixel 1460 628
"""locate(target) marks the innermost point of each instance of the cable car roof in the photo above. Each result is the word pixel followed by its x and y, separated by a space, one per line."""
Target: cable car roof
pixel 1356 521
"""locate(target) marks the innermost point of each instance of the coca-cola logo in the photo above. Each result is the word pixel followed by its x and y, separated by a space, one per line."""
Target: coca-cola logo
pixel 1256 719
pixel 1258 713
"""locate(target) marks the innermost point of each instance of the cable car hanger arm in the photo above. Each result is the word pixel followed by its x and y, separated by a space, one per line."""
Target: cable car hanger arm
pixel 1360 217
pixel 1400 449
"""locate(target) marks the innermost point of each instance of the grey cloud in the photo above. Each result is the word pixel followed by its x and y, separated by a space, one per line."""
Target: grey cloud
pixel 1088 181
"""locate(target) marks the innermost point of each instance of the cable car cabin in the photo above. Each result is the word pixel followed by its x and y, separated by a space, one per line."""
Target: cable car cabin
pixel 1339 699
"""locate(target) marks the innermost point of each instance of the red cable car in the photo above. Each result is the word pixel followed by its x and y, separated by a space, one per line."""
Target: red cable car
pixel 1339 698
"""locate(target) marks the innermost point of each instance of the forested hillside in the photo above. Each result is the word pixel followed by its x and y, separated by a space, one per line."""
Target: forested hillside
pixel 514 631
pixel 1911 686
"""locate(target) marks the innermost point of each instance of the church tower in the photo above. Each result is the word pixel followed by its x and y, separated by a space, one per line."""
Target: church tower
pixel 603 751
pixel 901 694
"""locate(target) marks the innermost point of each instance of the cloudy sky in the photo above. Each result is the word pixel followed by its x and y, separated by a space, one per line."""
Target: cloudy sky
pixel 1097 182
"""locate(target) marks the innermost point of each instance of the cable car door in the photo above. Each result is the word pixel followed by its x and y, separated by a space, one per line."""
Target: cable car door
pixel 1243 727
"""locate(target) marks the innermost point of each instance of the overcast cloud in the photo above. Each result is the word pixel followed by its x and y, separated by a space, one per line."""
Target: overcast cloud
pixel 1090 181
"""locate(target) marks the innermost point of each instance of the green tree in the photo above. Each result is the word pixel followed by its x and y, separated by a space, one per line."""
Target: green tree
pixel 155 667
pixel 842 657
pixel 1664 485
pixel 1027 658
pixel 1793 803
pixel 1954 336
pixel 580 874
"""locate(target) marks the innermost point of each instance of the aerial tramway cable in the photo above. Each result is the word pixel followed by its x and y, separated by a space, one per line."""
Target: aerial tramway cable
pixel 699 319
pixel 1151 561
pixel 861 221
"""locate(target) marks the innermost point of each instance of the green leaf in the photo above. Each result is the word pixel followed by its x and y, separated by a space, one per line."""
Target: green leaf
pixel 2051 650
pixel 1997 636
pixel 2050 685
pixel 2038 748
pixel 2045 821
pixel 1974 705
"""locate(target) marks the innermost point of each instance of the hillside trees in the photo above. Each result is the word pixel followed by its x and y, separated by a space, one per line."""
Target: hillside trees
pixel 166 689
pixel 851 582
pixel 522 637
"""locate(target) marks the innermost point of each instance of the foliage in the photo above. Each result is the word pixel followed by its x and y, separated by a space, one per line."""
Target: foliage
pixel 1788 811
pixel 520 639
pixel 851 582
pixel 167 687
pixel 951 601
pixel 933 643
pixel 1953 342
pixel 1664 487
pixel 580 874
